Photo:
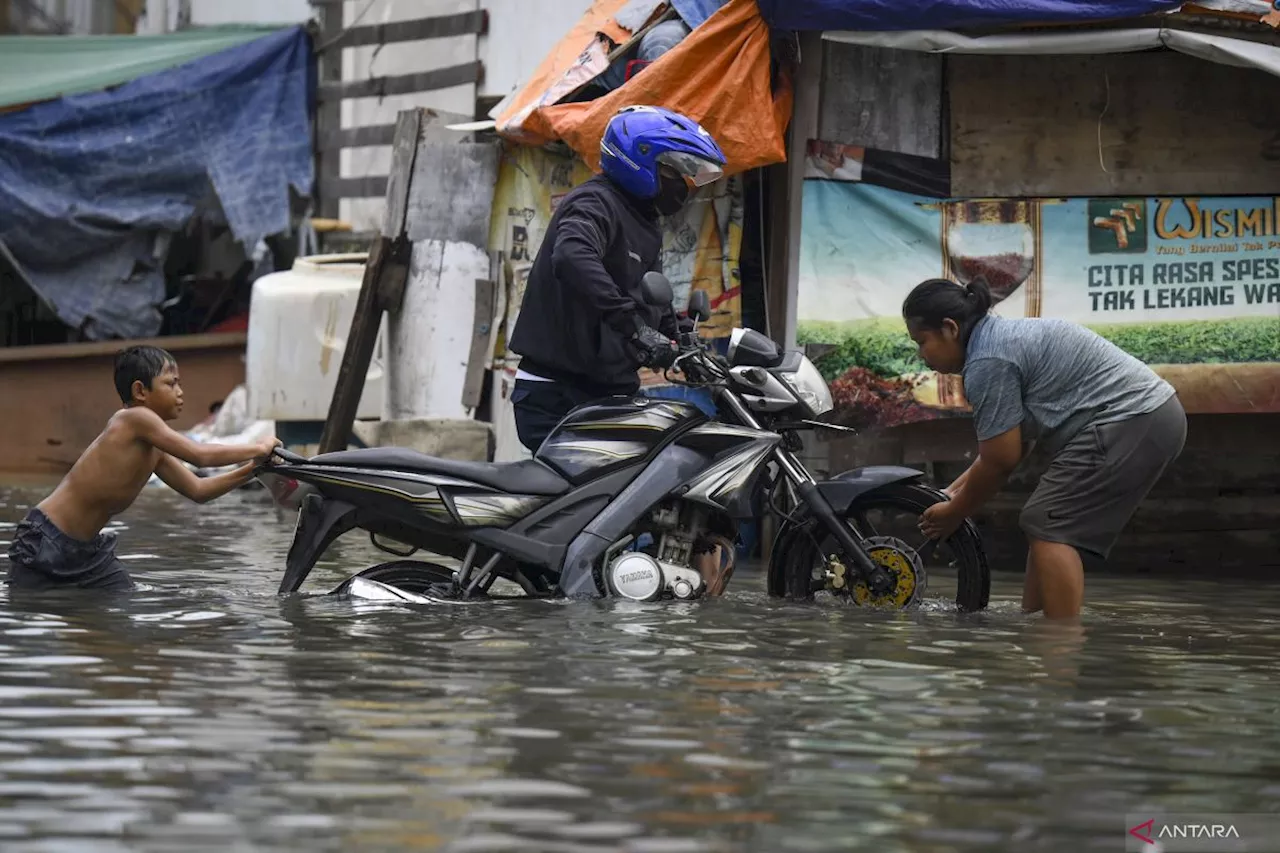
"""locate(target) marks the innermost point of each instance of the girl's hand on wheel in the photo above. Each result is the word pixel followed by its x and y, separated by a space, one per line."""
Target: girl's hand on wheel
pixel 940 520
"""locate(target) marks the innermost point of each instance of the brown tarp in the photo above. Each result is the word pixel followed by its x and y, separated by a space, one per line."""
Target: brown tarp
pixel 719 75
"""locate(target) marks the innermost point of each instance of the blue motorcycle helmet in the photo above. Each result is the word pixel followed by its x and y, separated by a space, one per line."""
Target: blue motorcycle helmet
pixel 659 155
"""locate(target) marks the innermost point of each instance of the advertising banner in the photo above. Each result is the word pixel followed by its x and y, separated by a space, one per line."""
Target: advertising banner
pixel 1190 286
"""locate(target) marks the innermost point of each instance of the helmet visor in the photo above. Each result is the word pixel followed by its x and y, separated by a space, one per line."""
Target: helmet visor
pixel 695 169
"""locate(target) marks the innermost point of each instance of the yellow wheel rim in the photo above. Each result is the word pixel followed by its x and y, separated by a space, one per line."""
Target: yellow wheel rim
pixel 900 568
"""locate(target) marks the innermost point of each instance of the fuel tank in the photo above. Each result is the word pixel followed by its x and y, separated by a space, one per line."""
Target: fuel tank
pixel 608 434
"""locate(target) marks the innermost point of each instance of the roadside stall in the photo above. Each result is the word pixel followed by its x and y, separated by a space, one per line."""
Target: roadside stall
pixel 1115 164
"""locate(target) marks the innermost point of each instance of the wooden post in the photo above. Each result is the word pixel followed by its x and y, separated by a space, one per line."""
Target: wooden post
pixel 481 342
pixel 328 111
pixel 382 289
pixel 786 191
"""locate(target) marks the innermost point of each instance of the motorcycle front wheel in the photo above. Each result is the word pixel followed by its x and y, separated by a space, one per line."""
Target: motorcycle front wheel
pixel 889 516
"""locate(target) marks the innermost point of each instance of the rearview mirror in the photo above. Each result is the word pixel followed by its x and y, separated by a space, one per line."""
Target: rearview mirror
pixel 656 290
pixel 699 306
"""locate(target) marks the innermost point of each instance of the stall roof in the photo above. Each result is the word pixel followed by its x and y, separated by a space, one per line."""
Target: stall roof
pixel 92 185
pixel 720 75
pixel 38 68
pixel 1221 49
pixel 948 14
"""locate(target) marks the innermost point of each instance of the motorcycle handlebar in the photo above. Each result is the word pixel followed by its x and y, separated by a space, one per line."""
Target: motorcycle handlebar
pixel 710 367
pixel 288 456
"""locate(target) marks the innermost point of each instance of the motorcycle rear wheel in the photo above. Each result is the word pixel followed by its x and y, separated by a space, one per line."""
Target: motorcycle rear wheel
pixel 796 555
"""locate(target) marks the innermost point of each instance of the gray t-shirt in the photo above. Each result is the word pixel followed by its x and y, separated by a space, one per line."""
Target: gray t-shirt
pixel 1052 377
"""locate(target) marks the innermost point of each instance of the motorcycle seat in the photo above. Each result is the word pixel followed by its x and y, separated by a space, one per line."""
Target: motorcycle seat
pixel 526 477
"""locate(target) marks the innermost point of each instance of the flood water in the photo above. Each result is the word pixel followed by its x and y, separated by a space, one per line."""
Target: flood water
pixel 205 713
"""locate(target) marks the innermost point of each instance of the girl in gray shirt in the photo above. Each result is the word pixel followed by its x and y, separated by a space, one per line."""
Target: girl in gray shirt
pixel 1110 425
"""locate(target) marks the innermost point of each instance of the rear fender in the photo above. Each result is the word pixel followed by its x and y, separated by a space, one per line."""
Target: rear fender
pixel 846 488
pixel 320 522
pixel 285 488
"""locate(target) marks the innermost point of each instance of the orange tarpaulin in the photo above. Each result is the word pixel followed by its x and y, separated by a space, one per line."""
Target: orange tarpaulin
pixel 719 76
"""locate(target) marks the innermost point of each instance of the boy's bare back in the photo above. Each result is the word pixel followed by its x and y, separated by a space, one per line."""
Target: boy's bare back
pixel 107 478
pixel 58 544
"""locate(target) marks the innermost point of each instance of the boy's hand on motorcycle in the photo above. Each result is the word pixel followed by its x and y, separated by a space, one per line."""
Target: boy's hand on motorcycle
pixel 940 520
pixel 267 445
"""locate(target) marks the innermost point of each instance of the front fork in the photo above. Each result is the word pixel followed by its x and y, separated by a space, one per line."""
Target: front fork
pixel 873 574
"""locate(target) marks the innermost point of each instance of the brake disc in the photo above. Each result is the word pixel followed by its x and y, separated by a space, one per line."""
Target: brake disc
pixel 904 566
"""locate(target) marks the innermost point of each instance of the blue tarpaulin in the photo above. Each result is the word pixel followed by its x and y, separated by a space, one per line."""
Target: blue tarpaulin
pixel 695 12
pixel 92 185
pixel 946 14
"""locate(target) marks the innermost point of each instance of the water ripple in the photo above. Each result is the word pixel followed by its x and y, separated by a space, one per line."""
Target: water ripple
pixel 204 713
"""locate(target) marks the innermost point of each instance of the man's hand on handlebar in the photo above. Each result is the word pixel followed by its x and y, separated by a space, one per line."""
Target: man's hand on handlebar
pixel 653 349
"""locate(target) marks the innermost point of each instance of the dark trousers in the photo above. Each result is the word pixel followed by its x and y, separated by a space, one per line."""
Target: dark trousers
pixel 540 406
pixel 43 557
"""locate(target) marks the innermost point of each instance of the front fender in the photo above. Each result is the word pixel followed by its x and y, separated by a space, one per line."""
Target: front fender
pixel 840 492
pixel 846 488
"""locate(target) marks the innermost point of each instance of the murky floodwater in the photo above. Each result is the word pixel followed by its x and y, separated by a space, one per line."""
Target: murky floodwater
pixel 205 713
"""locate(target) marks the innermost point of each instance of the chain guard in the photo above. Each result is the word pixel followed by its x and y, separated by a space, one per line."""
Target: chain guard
pixel 902 563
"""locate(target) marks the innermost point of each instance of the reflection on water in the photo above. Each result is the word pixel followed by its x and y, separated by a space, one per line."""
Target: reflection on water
pixel 205 713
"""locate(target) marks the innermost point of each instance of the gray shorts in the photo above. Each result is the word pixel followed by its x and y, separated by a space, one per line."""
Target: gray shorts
pixel 1095 483
pixel 43 557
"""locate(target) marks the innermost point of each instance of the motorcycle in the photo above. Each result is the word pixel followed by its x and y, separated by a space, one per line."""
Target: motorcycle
pixel 626 493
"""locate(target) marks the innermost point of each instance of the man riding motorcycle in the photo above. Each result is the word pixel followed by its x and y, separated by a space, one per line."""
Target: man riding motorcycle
pixel 584 329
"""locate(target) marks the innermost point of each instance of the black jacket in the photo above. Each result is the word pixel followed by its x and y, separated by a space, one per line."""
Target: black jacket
pixel 583 293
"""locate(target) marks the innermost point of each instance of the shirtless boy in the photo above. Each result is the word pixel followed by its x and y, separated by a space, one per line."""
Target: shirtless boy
pixel 60 542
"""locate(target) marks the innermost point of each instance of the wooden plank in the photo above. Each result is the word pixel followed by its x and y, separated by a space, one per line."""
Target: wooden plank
pixel 357 354
pixel 403 84
pixel 452 194
pixel 367 187
pixel 92 349
pixel 357 137
pixel 385 273
pixel 486 296
pixel 882 98
pixel 1169 125
pixel 328 113
pixel 440 26
pixel 395 275
pixel 404 154
pixel 434 123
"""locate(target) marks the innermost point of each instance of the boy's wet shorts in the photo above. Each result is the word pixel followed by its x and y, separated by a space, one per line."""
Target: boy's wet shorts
pixel 1095 483
pixel 43 557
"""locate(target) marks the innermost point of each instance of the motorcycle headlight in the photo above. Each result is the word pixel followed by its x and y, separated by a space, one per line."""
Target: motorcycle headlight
pixel 811 388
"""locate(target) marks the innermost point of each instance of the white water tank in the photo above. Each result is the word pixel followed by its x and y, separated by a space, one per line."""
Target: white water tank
pixel 299 321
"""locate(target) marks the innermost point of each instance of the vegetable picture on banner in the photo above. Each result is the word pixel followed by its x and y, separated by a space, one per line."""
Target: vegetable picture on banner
pixel 1190 286
pixel 701 245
